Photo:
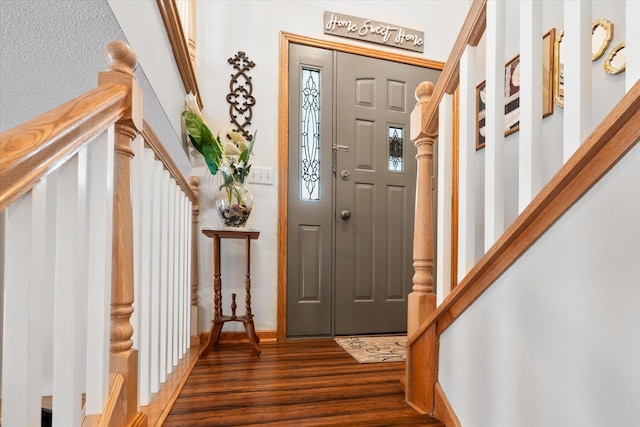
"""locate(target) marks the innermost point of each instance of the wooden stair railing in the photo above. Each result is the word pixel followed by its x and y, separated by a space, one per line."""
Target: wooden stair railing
pixel 608 143
pixel 124 358
pixel 424 131
pixel 32 151
pixel 109 116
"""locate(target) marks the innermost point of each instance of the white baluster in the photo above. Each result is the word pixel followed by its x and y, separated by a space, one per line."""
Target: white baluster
pixel 137 145
pixel 530 139
pixel 171 278
pixel 156 273
pixel 467 192
pixel 494 124
pixel 22 356
pixel 67 310
pixel 445 175
pixel 176 276
pixel 181 257
pixel 49 266
pixel 99 270
pixel 164 275
pixel 632 37
pixel 144 370
pixel 576 52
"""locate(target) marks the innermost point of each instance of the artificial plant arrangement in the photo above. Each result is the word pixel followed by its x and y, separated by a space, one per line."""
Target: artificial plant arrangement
pixel 231 157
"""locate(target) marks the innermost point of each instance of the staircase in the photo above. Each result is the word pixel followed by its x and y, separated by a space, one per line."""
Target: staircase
pixel 98 254
pixel 545 320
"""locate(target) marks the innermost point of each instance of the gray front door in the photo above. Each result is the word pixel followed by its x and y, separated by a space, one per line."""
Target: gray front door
pixel 350 238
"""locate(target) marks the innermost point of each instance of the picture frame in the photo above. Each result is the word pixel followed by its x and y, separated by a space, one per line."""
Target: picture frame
pixel 558 71
pixel 512 91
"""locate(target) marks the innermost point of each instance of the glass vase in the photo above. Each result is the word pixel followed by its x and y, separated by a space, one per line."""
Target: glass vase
pixel 233 203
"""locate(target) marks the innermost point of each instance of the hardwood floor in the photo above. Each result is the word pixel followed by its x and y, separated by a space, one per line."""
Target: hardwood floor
pixel 293 383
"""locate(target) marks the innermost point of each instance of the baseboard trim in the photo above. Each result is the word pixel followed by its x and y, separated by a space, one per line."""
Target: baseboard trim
pixel 240 337
pixel 195 340
pixel 443 410
pixel 158 410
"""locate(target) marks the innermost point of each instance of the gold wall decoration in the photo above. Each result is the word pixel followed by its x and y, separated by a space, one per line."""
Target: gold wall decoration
pixel 601 36
pixel 616 61
pixel 558 71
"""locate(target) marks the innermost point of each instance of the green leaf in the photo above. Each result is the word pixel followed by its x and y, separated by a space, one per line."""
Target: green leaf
pixel 212 160
pixel 244 157
pixel 204 141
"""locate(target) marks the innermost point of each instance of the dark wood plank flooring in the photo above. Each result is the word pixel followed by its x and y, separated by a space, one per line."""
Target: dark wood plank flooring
pixel 293 383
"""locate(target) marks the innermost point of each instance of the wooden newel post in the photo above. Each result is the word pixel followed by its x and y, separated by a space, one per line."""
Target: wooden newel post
pixel 422 299
pixel 124 359
pixel 194 183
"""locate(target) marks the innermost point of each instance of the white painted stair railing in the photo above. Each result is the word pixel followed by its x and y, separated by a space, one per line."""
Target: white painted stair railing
pixel 96 284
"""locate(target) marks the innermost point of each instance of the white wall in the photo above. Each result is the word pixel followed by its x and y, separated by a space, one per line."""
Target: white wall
pixel 556 340
pixel 52 51
pixel 155 55
pixel 223 29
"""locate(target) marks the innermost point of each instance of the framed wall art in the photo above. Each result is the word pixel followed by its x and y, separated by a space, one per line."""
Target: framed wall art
pixel 512 92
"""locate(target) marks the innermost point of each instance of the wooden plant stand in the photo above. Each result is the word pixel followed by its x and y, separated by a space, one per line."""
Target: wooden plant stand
pixel 218 318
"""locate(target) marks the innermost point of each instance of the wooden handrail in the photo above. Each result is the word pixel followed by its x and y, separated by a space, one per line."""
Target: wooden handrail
pixel 152 140
pixel 28 152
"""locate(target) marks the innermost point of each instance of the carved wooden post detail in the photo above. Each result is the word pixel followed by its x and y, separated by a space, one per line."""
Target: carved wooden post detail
pixel 422 299
pixel 194 183
pixel 124 359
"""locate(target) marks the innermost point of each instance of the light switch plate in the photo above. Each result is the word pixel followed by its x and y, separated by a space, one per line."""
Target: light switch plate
pixel 261 175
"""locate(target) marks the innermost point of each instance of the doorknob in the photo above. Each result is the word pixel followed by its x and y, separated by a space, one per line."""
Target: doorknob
pixel 345 214
pixel 345 175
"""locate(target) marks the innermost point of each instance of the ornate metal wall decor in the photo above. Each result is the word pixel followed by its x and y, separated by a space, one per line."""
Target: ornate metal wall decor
pixel 240 98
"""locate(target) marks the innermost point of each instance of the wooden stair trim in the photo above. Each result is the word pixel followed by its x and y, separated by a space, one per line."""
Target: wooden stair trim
pixel 158 410
pixel 422 370
pixel 152 140
pixel 138 420
pixel 171 18
pixel 443 410
pixel 360 50
pixel 111 413
pixel 606 145
pixel 30 151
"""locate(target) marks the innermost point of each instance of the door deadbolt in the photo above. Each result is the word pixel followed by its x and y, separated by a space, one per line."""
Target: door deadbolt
pixel 345 175
pixel 345 214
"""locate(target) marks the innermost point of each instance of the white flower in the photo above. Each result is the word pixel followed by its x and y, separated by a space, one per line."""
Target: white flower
pixel 192 105
pixel 230 149
pixel 239 140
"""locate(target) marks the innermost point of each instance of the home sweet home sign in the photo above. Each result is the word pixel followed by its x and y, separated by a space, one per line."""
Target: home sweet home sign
pixel 373 31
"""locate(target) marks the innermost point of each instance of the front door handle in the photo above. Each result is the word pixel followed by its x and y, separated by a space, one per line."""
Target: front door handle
pixel 345 215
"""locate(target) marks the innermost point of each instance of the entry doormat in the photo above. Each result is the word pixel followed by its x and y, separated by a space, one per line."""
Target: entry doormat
pixel 375 349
